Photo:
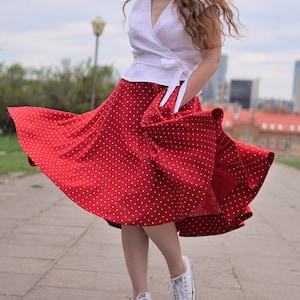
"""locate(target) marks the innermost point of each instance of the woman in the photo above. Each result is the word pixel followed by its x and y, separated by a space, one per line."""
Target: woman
pixel 149 160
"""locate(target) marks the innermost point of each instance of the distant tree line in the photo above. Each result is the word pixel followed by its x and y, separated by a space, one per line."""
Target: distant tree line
pixel 65 87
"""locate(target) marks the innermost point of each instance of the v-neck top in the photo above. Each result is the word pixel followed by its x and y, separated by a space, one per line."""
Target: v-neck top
pixel 163 53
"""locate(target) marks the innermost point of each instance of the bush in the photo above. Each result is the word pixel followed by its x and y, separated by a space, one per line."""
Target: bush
pixel 65 87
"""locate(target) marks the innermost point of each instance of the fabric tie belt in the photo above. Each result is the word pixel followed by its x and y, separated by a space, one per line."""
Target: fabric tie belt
pixel 179 70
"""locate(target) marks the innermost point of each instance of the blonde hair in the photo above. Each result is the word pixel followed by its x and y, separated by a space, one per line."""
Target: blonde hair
pixel 203 22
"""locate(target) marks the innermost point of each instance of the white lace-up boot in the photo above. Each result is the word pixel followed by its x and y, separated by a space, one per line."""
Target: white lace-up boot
pixel 183 286
pixel 144 296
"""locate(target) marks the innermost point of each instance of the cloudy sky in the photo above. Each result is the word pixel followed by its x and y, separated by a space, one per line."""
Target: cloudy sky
pixel 41 33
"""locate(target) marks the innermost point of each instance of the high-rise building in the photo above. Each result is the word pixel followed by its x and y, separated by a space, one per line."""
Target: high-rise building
pixel 245 93
pixel 221 73
pixel 211 90
pixel 296 86
pixel 296 73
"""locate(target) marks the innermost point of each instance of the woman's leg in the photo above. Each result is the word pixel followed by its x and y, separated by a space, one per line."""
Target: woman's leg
pixel 135 246
pixel 180 268
pixel 166 239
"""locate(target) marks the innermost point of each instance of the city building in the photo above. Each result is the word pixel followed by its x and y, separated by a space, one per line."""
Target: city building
pixel 276 105
pixel 296 87
pixel 215 88
pixel 244 93
pixel 279 132
pixel 296 73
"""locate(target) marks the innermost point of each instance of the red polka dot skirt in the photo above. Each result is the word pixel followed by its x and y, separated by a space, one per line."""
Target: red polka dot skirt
pixel 132 162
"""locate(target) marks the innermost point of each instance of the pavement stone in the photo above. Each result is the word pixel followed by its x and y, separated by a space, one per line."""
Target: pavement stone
pixel 51 249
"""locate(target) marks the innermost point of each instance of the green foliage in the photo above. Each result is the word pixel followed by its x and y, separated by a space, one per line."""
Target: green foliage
pixel 65 87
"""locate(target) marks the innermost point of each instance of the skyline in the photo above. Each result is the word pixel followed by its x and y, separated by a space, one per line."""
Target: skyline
pixel 37 34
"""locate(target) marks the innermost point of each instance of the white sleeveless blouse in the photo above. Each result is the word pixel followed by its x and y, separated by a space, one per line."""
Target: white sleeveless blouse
pixel 163 53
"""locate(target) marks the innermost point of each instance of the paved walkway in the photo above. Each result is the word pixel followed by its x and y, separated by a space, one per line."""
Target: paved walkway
pixel 50 249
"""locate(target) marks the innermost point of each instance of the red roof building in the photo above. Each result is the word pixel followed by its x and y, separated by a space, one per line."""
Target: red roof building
pixel 279 132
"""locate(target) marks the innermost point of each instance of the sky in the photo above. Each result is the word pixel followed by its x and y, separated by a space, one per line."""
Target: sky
pixel 39 33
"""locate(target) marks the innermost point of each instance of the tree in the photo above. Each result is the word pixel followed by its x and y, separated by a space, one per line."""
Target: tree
pixel 65 87
pixel 13 92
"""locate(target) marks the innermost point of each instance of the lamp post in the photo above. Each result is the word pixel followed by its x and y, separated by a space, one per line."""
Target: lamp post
pixel 98 26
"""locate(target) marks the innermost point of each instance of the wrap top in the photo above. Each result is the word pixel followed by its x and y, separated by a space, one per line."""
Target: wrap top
pixel 163 53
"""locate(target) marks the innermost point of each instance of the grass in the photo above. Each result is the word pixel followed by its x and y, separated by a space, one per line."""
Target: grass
pixel 9 143
pixel 292 163
pixel 12 157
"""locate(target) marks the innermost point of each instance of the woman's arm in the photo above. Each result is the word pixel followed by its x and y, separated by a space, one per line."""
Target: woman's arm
pixel 201 76
pixel 210 60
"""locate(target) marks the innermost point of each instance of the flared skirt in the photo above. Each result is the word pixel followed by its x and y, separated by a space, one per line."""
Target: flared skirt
pixel 132 162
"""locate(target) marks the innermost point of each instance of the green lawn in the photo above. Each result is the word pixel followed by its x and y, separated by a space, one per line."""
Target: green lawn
pixel 291 163
pixel 9 143
pixel 12 158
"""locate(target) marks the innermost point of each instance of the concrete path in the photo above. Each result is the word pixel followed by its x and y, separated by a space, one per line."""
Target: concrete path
pixel 50 249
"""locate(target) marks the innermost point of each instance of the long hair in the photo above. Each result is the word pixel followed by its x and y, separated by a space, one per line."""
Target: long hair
pixel 220 17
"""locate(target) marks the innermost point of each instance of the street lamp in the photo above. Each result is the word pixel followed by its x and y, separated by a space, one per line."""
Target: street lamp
pixel 98 26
